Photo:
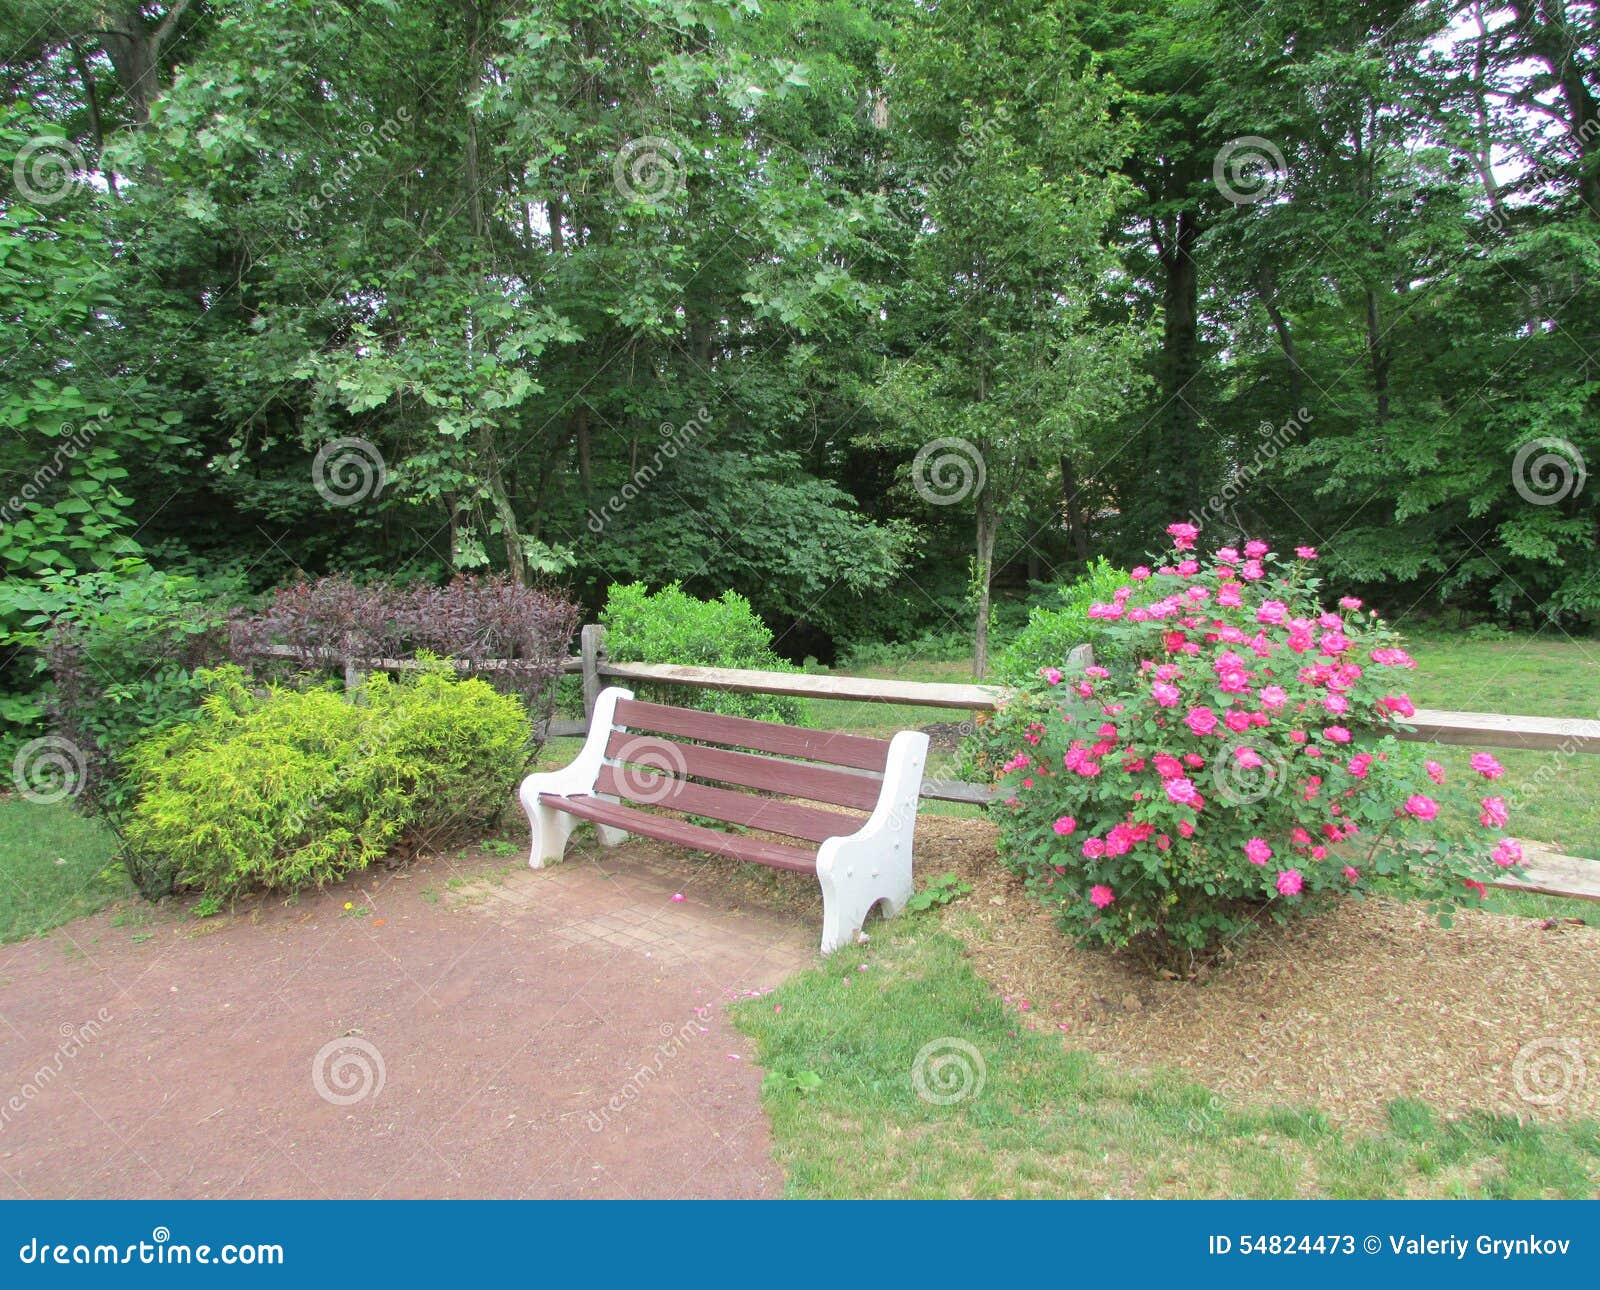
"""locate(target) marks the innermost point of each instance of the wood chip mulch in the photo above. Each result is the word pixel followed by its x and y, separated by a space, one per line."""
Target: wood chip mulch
pixel 1344 1011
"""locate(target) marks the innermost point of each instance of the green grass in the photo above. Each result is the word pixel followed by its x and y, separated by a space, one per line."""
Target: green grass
pixel 54 866
pixel 840 1043
pixel 1555 797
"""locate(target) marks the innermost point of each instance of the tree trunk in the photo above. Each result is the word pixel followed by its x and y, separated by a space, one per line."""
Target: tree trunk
pixel 1177 483
pixel 1377 357
pixel 1072 510
pixel 983 572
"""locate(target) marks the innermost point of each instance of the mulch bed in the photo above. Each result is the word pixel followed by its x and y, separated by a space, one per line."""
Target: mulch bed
pixel 1345 1012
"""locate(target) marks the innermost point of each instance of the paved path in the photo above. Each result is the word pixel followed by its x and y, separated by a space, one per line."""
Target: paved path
pixel 524 1034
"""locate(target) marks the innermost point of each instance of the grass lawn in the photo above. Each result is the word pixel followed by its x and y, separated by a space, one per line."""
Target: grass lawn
pixel 841 1042
pixel 54 867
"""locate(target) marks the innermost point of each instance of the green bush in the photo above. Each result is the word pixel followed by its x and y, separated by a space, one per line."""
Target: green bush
pixel 121 648
pixel 1054 629
pixel 285 789
pixel 672 627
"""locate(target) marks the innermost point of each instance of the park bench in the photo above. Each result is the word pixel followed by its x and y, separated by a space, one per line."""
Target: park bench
pixel 642 760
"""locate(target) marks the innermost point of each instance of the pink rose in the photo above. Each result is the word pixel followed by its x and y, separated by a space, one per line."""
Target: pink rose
pixel 1336 734
pixel 1257 851
pixel 1201 720
pixel 1349 602
pixel 1093 848
pixel 1487 766
pixel 1166 695
pixel 1065 825
pixel 1493 815
pixel 1100 896
pixel 1508 853
pixel 1421 807
pixel 1435 771
pixel 1139 573
pixel 1255 550
pixel 1052 675
pixel 1273 697
pixel 1306 553
pixel 1353 874
pixel 1272 612
pixel 1290 882
pixel 1183 535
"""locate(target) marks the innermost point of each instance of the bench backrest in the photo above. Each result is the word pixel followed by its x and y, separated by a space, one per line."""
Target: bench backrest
pixel 649 763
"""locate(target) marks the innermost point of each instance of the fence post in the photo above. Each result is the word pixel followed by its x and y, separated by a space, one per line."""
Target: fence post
pixel 1080 657
pixel 591 645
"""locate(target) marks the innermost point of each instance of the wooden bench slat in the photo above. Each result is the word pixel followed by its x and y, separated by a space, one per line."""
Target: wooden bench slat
pixel 749 809
pixel 748 770
pixel 832 747
pixel 666 829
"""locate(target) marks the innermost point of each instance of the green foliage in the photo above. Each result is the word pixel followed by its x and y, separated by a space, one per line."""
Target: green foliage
pixel 1055 629
pixel 669 626
pixel 120 648
pixel 946 889
pixel 287 789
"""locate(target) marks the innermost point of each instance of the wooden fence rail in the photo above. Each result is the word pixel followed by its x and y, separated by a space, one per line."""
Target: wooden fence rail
pixel 1429 725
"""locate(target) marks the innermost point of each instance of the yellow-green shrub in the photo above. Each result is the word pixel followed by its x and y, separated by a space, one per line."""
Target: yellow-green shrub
pixel 287 789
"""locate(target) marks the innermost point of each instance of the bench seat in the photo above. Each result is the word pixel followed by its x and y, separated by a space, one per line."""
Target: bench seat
pixel 663 828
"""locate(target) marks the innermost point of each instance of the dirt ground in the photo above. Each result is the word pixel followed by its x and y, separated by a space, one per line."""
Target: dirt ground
pixel 1343 1012
pixel 457 1028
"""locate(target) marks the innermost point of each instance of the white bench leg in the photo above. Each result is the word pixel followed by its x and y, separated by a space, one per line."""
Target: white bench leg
pixel 551 829
pixel 874 865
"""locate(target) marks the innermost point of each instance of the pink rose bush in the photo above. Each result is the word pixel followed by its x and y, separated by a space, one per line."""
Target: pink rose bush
pixel 1244 767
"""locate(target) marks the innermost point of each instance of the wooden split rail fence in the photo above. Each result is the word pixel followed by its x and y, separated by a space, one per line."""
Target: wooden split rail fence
pixel 1545 871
